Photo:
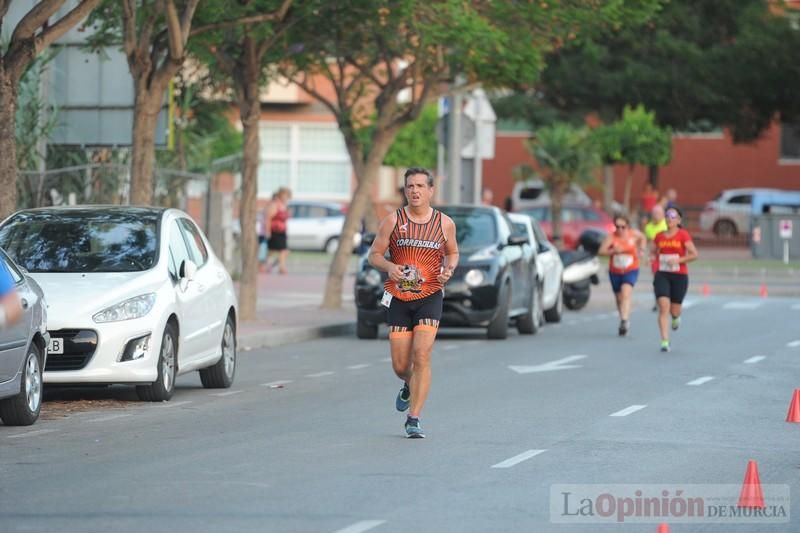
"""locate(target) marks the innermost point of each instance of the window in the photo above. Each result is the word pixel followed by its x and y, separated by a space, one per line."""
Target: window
pixel 790 141
pixel 272 175
pixel 741 199
pixel 275 140
pixel 323 177
pixel 321 140
pixel 317 211
pixel 177 248
pixel 530 193
pixel 197 247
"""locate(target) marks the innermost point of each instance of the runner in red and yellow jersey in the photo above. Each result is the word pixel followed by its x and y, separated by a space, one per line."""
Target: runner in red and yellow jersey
pixel 422 256
pixel 672 250
pixel 624 247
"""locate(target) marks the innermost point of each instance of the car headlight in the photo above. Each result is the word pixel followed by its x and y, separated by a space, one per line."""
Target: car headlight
pixel 483 255
pixel 132 308
pixel 372 277
pixel 474 277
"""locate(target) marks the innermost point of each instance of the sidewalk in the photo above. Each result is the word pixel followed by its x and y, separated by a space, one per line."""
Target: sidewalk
pixel 289 306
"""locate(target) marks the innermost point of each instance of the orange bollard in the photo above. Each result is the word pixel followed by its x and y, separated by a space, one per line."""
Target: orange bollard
pixel 751 495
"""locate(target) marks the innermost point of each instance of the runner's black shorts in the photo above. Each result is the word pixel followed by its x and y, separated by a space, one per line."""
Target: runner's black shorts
pixel 671 285
pixel 416 312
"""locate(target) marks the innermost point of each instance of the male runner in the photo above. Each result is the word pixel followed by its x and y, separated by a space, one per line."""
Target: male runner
pixel 422 256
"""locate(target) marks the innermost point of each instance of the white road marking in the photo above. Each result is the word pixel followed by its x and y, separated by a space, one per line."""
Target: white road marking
pixel 320 374
pixel 109 417
pixel 628 410
pixel 524 456
pixel 689 303
pixel 793 344
pixel 386 360
pixel 743 305
pixel 227 393
pixel 276 384
pixel 360 527
pixel 31 433
pixel 176 404
pixel 558 364
pixel 700 381
pixel 359 367
pixel 755 359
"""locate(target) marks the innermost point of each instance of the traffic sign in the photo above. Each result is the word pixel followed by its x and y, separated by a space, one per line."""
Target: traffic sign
pixel 785 227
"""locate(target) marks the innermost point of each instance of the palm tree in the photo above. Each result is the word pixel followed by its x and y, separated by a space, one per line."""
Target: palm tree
pixel 564 155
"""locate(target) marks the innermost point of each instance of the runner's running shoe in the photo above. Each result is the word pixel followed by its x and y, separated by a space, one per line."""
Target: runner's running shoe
pixel 676 323
pixel 624 327
pixel 413 429
pixel 403 398
pixel 664 346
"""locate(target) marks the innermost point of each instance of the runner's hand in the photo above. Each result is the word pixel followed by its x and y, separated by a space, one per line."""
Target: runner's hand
pixel 446 274
pixel 395 272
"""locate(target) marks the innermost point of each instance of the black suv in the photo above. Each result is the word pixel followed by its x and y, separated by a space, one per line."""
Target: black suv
pixel 494 283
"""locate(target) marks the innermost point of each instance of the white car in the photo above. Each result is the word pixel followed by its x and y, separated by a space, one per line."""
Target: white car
pixel 549 268
pixel 135 296
pixel 729 213
pixel 316 226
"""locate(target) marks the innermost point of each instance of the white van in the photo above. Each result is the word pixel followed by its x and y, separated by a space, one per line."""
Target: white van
pixel 534 193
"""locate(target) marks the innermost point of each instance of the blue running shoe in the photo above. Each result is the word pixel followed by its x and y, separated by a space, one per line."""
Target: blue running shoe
pixel 403 398
pixel 413 429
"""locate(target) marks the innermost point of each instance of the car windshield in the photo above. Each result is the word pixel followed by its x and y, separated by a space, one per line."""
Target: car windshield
pixel 82 241
pixel 474 229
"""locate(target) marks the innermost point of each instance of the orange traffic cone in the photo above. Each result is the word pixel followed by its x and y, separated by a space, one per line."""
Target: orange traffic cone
pixel 763 291
pixel 663 528
pixel 706 289
pixel 751 495
pixel 794 408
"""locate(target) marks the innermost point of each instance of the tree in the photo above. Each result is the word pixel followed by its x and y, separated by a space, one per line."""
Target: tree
pixel 368 52
pixel 633 140
pixel 242 52
pixel 564 155
pixel 32 35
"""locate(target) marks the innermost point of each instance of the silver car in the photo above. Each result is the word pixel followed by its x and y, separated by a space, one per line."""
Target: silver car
pixel 23 350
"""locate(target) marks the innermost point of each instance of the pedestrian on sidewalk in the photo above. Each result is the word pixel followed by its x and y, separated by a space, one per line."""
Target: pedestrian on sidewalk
pixel 624 247
pixel 672 251
pixel 277 219
pixel 422 257
pixel 10 307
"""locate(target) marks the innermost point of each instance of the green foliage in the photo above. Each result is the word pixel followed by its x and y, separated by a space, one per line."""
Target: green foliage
pixel 35 118
pixel 415 144
pixel 635 139
pixel 564 155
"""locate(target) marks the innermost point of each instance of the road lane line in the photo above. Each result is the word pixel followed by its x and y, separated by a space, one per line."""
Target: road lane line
pixel 688 303
pixel 700 381
pixel 176 404
pixel 320 374
pixel 742 305
pixel 360 527
pixel 386 360
pixel 31 433
pixel 359 367
pixel 227 393
pixel 628 410
pixel 754 359
pixel 793 344
pixel 109 417
pixel 276 384
pixel 524 456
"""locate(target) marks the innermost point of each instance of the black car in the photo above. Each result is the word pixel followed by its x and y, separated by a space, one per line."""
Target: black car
pixel 494 283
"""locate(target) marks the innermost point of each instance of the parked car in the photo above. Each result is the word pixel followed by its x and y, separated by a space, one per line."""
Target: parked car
pixel 494 283
pixel 534 193
pixel 135 296
pixel 574 220
pixel 316 226
pixel 729 213
pixel 549 269
pixel 23 352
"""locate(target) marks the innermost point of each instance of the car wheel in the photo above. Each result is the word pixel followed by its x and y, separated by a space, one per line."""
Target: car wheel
pixel 365 330
pixel 220 375
pixel 725 228
pixel 332 245
pixel 554 313
pixel 498 328
pixel 575 303
pixel 531 321
pixel 162 388
pixel 23 409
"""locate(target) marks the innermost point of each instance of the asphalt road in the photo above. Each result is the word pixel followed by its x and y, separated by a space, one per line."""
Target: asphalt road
pixel 308 438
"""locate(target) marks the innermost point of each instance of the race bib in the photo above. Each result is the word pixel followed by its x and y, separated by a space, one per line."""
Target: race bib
pixel 664 264
pixel 386 301
pixel 622 261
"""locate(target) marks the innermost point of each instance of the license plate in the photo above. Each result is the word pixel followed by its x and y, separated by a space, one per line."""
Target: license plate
pixel 56 346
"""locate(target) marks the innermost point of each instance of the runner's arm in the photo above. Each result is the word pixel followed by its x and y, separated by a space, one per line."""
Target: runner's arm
pixel 379 246
pixel 10 307
pixel 605 247
pixel 450 249
pixel 691 253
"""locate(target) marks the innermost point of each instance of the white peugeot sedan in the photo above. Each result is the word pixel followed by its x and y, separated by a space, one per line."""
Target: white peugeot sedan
pixel 135 296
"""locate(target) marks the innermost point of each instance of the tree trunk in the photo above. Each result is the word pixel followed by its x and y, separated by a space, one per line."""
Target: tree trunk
pixel 8 143
pixel 653 176
pixel 250 114
pixel 556 200
pixel 608 189
pixel 628 184
pixel 143 151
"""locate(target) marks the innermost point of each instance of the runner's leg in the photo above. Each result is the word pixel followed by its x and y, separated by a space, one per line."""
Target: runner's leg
pixel 400 340
pixel 663 317
pixel 624 301
pixel 424 336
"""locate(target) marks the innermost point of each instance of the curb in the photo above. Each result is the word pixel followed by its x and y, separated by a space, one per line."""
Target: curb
pixel 279 337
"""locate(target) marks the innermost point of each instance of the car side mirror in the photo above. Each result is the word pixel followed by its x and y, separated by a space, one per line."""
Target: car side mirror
pixel 188 270
pixel 518 240
pixel 368 239
pixel 543 248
